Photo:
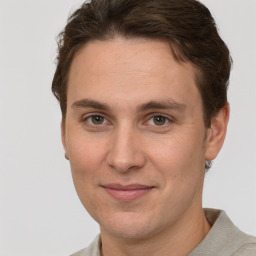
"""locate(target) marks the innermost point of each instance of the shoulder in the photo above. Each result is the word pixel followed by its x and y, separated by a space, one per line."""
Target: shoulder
pixel 237 243
pixel 247 246
pixel 92 250
pixel 246 250
pixel 224 238
pixel 83 252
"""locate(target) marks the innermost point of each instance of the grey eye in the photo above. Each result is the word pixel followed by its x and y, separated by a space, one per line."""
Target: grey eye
pixel 159 120
pixel 97 120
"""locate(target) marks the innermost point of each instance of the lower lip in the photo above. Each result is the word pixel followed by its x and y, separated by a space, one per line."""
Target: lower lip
pixel 127 195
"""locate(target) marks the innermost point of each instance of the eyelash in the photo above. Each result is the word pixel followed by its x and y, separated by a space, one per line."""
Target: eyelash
pixel 88 117
pixel 167 120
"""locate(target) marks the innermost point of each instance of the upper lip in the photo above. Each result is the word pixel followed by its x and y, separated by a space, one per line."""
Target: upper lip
pixel 127 187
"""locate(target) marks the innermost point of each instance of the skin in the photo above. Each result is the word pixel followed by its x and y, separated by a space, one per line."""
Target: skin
pixel 134 116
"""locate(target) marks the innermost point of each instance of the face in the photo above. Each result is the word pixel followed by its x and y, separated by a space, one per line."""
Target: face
pixel 135 136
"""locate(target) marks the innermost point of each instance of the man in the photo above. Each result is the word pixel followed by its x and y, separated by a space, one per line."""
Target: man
pixel 142 87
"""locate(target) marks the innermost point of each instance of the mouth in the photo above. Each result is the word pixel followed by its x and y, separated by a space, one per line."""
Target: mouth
pixel 127 192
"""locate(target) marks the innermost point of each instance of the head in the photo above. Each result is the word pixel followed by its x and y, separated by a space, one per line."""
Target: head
pixel 142 87
pixel 187 26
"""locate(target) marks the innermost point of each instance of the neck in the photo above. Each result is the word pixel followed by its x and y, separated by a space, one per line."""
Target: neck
pixel 178 240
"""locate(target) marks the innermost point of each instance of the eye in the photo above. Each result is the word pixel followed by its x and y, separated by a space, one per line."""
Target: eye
pixel 96 119
pixel 159 120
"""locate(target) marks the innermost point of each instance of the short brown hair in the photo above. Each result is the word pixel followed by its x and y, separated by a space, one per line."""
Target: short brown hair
pixel 187 25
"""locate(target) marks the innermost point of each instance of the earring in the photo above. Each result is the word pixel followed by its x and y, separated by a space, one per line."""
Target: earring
pixel 66 156
pixel 208 164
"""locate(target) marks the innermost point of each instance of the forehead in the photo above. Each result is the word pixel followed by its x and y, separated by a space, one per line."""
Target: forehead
pixel 128 69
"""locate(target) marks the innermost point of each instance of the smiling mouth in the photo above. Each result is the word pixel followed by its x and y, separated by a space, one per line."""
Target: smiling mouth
pixel 127 192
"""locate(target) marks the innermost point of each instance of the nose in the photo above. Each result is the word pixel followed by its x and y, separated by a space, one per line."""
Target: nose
pixel 126 150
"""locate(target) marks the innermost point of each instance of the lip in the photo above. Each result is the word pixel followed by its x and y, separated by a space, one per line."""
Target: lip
pixel 127 192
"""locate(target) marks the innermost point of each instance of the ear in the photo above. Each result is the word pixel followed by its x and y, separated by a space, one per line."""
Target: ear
pixel 63 138
pixel 217 133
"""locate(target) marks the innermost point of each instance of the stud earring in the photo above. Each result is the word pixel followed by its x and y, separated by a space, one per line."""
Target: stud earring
pixel 208 164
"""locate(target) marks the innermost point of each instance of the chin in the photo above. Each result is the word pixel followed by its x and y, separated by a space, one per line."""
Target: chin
pixel 130 226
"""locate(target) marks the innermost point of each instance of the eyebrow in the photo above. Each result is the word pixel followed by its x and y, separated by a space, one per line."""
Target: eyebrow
pixel 165 104
pixel 162 104
pixel 87 103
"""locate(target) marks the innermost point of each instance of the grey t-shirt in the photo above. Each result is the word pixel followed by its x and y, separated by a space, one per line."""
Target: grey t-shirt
pixel 224 239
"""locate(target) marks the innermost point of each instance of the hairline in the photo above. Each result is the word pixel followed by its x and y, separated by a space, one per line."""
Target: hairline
pixel 180 58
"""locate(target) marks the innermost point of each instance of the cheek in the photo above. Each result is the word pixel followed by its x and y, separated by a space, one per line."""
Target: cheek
pixel 86 159
pixel 177 155
pixel 84 151
pixel 181 166
pixel 180 162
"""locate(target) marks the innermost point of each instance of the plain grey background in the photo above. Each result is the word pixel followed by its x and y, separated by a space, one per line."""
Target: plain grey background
pixel 40 212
